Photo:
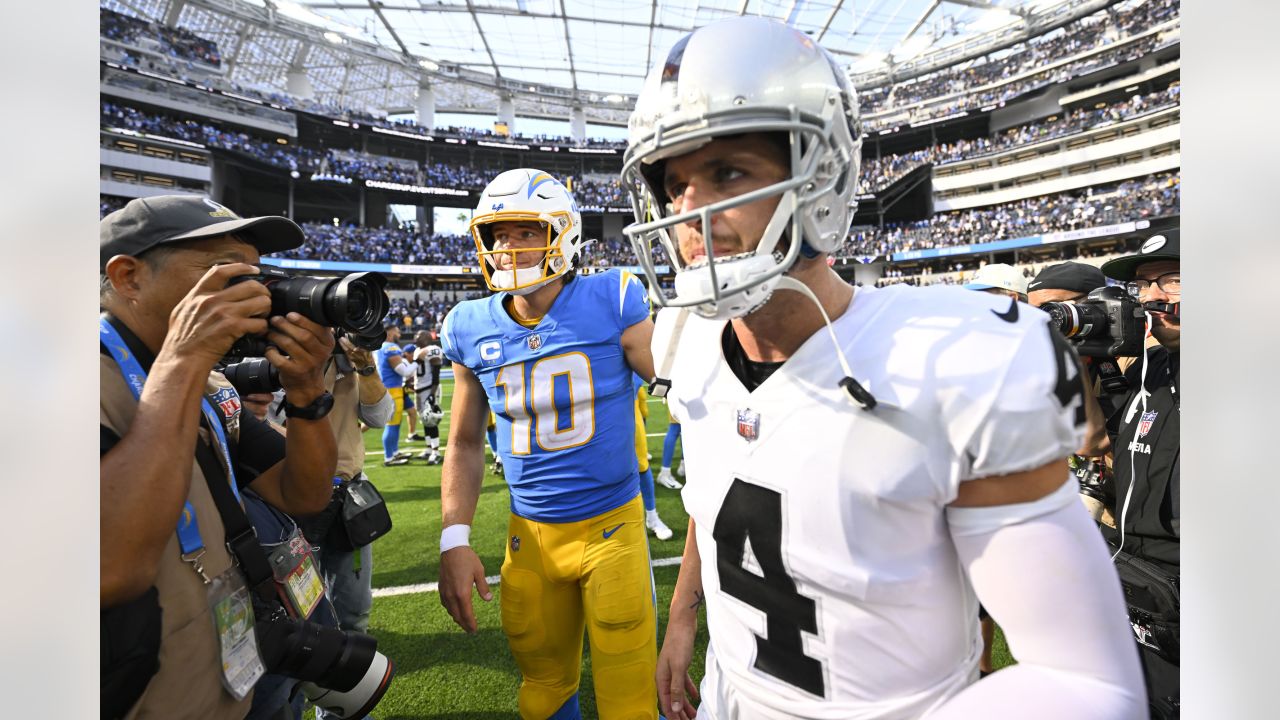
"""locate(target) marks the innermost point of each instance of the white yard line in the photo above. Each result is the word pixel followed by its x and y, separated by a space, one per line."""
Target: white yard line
pixel 492 580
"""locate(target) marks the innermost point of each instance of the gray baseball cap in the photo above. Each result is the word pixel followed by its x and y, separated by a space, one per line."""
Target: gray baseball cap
pixel 145 223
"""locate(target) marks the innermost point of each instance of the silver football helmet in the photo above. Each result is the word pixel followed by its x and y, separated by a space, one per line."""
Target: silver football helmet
pixel 734 76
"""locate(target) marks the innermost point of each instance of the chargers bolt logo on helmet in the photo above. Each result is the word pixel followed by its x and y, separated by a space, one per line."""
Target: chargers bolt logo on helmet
pixel 731 77
pixel 527 195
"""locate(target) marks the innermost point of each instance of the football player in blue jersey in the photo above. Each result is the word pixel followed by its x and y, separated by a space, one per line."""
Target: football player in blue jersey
pixel 393 369
pixel 552 354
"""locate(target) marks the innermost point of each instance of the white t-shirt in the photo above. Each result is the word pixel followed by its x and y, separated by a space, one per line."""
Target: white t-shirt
pixel 833 589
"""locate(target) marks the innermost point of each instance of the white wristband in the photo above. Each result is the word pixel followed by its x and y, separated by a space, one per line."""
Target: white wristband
pixel 454 536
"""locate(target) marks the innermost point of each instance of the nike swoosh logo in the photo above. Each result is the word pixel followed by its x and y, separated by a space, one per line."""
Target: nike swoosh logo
pixel 1033 284
pixel 1010 315
pixel 609 533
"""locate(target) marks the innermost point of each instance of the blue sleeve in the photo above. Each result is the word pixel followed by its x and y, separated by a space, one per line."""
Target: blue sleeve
pixel 633 300
pixel 449 343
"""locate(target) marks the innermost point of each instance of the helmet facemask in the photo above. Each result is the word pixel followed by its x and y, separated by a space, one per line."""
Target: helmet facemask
pixel 519 280
pixel 732 77
pixel 527 196
pixel 731 286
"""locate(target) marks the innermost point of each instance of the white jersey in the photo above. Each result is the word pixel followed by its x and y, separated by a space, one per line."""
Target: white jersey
pixel 423 357
pixel 833 589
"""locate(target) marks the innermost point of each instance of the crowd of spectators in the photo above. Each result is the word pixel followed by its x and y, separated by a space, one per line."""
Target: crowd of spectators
pixel 595 194
pixel 468 133
pixel 1104 27
pixel 953 271
pixel 406 246
pixel 1008 91
pixel 1148 197
pixel 878 173
pixel 291 157
pixel 177 43
pixel 1144 198
pixel 372 167
pixel 426 313
pixel 109 204
pixel 469 177
pixel 591 193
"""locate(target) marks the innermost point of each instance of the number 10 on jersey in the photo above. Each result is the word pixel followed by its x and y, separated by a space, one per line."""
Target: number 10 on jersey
pixel 555 406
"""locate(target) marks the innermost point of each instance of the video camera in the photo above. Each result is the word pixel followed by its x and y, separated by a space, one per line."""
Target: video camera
pixel 352 304
pixel 1108 323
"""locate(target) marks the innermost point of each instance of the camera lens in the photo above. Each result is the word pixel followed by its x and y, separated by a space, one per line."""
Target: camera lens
pixel 355 303
pixel 1077 320
pixel 255 375
pixel 346 666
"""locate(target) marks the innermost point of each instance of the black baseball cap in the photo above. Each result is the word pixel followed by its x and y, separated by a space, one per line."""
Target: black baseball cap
pixel 1074 276
pixel 1162 246
pixel 147 222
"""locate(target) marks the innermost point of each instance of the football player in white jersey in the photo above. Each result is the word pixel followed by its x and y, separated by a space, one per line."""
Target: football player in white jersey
pixel 864 465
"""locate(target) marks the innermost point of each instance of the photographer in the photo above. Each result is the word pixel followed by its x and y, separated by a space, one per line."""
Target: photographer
pixel 359 396
pixel 1064 282
pixel 1145 435
pixel 176 451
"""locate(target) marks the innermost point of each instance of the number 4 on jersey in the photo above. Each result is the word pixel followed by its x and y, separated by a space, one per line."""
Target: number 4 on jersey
pixel 754 513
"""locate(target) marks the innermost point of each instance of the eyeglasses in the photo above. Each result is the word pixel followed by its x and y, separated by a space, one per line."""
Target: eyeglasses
pixel 1170 283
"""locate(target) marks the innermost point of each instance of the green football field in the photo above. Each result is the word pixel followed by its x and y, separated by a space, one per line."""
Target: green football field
pixel 441 671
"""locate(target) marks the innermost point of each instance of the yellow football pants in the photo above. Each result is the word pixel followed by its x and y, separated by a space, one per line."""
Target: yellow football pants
pixel 397 396
pixel 560 577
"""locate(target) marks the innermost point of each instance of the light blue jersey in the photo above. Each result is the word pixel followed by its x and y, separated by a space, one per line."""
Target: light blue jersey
pixel 562 394
pixel 390 378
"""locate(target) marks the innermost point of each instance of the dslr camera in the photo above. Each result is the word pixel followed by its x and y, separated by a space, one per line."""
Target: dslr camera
pixel 352 304
pixel 1108 323
pixel 257 375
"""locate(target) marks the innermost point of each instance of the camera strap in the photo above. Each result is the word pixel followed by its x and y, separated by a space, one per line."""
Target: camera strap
pixel 1107 372
pixel 242 542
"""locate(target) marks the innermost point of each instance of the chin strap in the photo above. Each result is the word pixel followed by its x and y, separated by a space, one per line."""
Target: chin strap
pixel 660 384
pixel 859 394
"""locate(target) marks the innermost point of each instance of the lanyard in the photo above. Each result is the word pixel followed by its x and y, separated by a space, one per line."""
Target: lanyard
pixel 188 526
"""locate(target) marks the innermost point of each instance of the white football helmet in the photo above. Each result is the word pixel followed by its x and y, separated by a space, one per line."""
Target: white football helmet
pixel 431 416
pixel 735 76
pixel 529 195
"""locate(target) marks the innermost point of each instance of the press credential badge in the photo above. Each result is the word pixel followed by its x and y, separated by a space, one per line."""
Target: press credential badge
pixel 232 612
pixel 295 569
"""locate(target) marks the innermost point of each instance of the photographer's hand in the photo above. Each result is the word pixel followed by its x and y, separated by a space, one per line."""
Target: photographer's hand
pixel 371 388
pixel 359 357
pixel 303 483
pixel 212 316
pixel 299 350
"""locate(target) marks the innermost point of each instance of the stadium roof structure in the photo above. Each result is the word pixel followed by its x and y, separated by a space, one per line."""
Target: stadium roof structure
pixel 551 56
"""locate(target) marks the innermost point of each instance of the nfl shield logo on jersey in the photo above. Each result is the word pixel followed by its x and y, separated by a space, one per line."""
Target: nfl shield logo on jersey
pixel 535 342
pixel 749 424
pixel 1144 424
